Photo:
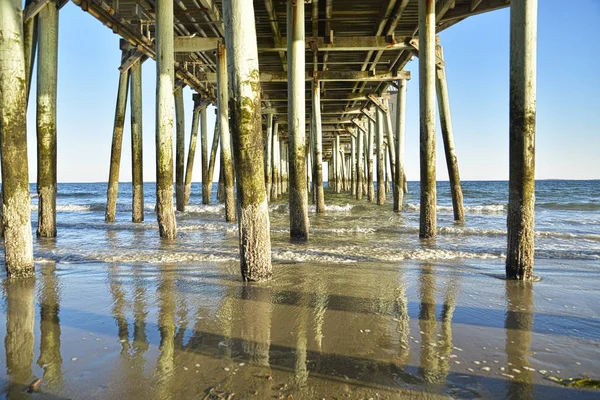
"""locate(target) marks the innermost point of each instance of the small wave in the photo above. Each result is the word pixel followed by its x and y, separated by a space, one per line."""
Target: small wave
pixel 205 208
pixel 68 208
pixel 569 206
pixel 455 230
pixel 210 227
pixel 478 209
pixel 356 229
pixel 565 235
pixel 328 207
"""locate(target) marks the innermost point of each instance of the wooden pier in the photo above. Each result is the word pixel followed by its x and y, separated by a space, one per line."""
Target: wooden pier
pixel 295 83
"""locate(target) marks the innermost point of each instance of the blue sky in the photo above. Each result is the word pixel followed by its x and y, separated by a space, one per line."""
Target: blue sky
pixel 477 62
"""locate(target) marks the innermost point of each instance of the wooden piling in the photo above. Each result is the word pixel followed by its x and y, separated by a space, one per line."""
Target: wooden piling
pixel 253 209
pixel 390 141
pixel 30 39
pixel 206 178
pixel 370 165
pixel 400 176
pixel 360 165
pixel 18 247
pixel 353 179
pixel 380 158
pixel 164 119
pixel 448 137
pixel 337 165
pixel 179 150
pixel 226 158
pixel 47 73
pixel 521 201
pixel 276 161
pixel 298 199
pixel 117 142
pixel 213 160
pixel 269 157
pixel 427 226
pixel 137 170
pixel 189 168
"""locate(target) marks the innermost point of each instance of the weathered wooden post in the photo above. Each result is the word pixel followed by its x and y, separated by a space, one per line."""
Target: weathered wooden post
pixel 206 178
pixel 371 187
pixel 213 160
pixel 244 78
pixel 298 200
pixel 387 164
pixel 427 226
pixel 276 161
pixel 221 182
pixel 117 140
pixel 47 72
pixel 30 39
pixel 360 164
pixel 337 165
pixel 285 164
pixel 390 140
pixel 137 170
pixel 179 150
pixel 448 137
pixel 521 201
pixel 18 247
pixel 380 158
pixel 269 157
pixel 164 119
pixel 189 168
pixel 400 177
pixel 353 165
pixel 223 107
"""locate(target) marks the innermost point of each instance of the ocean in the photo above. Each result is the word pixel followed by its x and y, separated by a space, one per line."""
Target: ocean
pixel 364 309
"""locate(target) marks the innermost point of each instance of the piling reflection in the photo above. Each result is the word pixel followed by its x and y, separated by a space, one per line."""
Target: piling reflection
pixel 165 364
pixel 518 326
pixel 119 307
pixel 435 347
pixel 19 341
pixel 50 358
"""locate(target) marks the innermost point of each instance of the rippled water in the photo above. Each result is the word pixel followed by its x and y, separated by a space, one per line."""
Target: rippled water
pixel 363 310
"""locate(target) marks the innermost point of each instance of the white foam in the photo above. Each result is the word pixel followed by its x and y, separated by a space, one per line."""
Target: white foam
pixel 476 209
pixel 210 227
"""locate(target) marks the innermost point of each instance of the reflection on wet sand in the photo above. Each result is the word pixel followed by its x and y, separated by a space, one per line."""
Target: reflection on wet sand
pixel 50 355
pixel 173 332
pixel 518 325
pixel 19 341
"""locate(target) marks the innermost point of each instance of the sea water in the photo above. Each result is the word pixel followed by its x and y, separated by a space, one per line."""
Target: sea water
pixel 364 309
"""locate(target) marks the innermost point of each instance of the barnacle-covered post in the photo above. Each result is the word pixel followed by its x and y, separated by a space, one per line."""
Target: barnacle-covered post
pixel 164 119
pixel 427 225
pixel 137 173
pixel 244 78
pixel 18 247
pixel 47 74
pixel 179 150
pixel 521 187
pixel 226 159
pixel 399 176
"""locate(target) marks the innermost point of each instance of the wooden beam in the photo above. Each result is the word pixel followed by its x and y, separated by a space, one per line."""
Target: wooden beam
pixel 464 10
pixel 190 44
pixel 475 4
pixel 358 43
pixel 325 76
pixel 131 59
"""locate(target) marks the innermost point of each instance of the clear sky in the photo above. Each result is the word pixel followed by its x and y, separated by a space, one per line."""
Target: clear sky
pixel 477 62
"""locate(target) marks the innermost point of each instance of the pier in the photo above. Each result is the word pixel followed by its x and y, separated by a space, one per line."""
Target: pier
pixel 296 84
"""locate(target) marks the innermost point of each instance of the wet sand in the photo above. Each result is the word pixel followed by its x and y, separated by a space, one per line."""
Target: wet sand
pixel 365 330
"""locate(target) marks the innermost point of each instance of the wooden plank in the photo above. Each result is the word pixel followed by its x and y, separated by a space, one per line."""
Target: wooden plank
pixel 190 44
pixel 358 43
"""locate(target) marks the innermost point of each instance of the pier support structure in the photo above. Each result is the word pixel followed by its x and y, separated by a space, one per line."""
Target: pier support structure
pixel 18 246
pixel 206 178
pixel 117 140
pixel 448 137
pixel 179 150
pixel 137 170
pixel 427 226
pixel 47 74
pixel 223 107
pixel 521 201
pixel 400 176
pixel 213 160
pixel 30 39
pixel 298 200
pixel 360 164
pixel 380 158
pixel 269 157
pixel 318 143
pixel 253 209
pixel 164 119
pixel 189 168
pixel 276 161
pixel 370 166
